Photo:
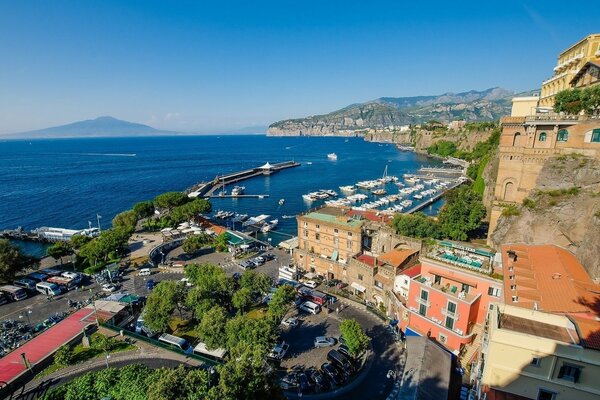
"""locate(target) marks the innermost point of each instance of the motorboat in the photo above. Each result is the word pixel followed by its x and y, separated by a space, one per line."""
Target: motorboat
pixel 269 225
pixel 332 156
pixel 237 190
pixel 379 192
pixel 329 192
pixel 281 201
pixel 348 189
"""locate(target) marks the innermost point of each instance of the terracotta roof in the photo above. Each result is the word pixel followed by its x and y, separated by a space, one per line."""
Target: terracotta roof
pixel 412 271
pixel 589 329
pixel 383 279
pixel 551 278
pixel 369 260
pixel 370 215
pixel 396 257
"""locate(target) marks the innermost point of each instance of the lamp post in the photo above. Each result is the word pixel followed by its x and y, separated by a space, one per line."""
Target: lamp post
pixel 107 357
pixel 27 313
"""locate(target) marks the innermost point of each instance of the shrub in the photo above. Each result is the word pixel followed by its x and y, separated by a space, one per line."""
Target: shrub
pixel 510 210
pixel 63 356
pixel 527 202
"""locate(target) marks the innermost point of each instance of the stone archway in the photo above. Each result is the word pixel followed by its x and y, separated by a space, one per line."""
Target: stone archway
pixel 517 139
pixel 509 191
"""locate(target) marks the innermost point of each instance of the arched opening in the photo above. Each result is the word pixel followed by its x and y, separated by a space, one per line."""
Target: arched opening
pixel 508 191
pixel 517 139
pixel 563 135
pixel 542 137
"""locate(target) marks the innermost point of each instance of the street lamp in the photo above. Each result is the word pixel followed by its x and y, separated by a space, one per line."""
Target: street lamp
pixel 27 313
pixel 107 357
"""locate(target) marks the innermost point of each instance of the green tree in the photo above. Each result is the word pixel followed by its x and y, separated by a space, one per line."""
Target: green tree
pixel 77 241
pixel 281 301
pixel 127 219
pixel 260 332
pixel 170 200
pixel 179 383
pixel 133 382
pixel 416 225
pixel 210 282
pixel 111 242
pixel 354 336
pixel 160 305
pixel 212 328
pixel 255 281
pixel 59 250
pixel 12 261
pixel 221 241
pixel 144 209
pixel 242 299
pixel 443 148
pixel 568 101
pixel 196 242
pixel 462 213
pixel 104 343
pixel 63 356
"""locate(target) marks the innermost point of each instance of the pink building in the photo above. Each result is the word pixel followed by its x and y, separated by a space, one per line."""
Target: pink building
pixel 449 299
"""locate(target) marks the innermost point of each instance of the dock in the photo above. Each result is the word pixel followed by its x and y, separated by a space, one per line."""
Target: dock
pixel 207 189
pixel 435 198
pixel 441 170
pixel 22 235
pixel 239 196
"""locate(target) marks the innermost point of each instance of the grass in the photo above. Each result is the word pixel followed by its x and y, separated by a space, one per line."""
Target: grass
pixel 510 210
pixel 82 354
pixel 257 312
pixel 527 202
pixel 184 329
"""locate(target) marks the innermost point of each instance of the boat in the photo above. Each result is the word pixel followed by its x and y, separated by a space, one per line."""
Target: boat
pixel 418 196
pixel 270 225
pixel 309 163
pixel 256 220
pixel 405 148
pixel 348 189
pixel 329 192
pixel 223 192
pixel 224 214
pixel 281 201
pixel 332 156
pixel 379 192
pixel 237 190
pixel 288 216
pixel 309 197
pixel 239 217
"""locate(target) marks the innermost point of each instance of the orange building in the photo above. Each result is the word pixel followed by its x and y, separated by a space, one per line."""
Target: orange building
pixel 449 299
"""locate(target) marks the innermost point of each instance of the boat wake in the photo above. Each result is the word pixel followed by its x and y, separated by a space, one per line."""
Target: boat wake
pixel 109 154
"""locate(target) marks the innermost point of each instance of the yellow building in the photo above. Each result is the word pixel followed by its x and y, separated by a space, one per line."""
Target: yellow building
pixel 528 354
pixel 568 65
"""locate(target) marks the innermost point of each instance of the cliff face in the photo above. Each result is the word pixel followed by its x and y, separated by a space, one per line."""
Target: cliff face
pixel 559 214
pixel 489 104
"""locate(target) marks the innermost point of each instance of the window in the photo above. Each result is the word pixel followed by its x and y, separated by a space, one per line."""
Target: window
pixel 335 231
pixel 317 226
pixel 465 288
pixel 449 323
pixel 437 279
pixel 515 299
pixel 349 244
pixel 545 394
pixel 513 287
pixel 563 135
pixel 492 291
pixel 317 236
pixel 451 308
pixel 360 277
pixel 542 137
pixel 536 361
pixel 569 373
pixel 596 136
pixel 306 233
pixel 424 295
pixel 423 310
pixel 335 241
pixel 350 234
pixel 305 224
pixel 378 284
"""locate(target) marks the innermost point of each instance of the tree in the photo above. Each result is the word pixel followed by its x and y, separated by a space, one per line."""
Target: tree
pixel 103 343
pixel 210 282
pixel 462 213
pixel 221 241
pixel 127 219
pixel 110 242
pixel 256 282
pixel 416 225
pixel 354 336
pixel 242 299
pixel 282 298
pixel 144 209
pixel 59 250
pixel 160 305
pixel 63 356
pixel 443 148
pixel 77 241
pixel 568 101
pixel 260 332
pixel 12 260
pixel 170 200
pixel 212 328
pixel 196 242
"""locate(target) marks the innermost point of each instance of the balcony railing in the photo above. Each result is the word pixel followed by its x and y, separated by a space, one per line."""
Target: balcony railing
pixel 424 302
pixel 448 313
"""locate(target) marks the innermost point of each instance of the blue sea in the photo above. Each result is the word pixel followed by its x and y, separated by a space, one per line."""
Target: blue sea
pixel 67 182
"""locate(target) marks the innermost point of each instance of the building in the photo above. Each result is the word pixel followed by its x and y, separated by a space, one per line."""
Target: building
pixel 524 106
pixel 568 65
pixel 64 235
pixel 457 125
pixel 529 354
pixel 528 142
pixel 588 75
pixel 449 298
pixel 545 342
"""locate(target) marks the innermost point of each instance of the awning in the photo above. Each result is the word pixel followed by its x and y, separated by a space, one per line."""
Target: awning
pixel 358 287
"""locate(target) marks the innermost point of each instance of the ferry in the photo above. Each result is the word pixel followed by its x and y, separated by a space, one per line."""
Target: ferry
pixel 256 220
pixel 332 156
pixel 237 190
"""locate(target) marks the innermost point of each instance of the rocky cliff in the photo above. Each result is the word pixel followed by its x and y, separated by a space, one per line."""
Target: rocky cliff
pixel 355 119
pixel 565 210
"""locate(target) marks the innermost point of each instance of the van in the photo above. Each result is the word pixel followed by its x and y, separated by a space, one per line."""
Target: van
pixel 37 277
pixel 72 275
pixel 15 293
pixel 25 283
pixel 176 341
pixel 310 307
pixel 145 272
pixel 49 289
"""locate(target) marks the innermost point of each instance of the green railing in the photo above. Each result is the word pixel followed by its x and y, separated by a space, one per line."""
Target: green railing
pixel 160 344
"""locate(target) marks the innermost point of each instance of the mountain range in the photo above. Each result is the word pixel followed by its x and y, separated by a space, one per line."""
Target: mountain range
pixel 486 105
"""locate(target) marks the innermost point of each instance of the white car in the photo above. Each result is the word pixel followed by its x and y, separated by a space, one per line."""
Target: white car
pixel 187 282
pixel 279 351
pixel 291 322
pixel 310 284
pixel 324 341
pixel 109 287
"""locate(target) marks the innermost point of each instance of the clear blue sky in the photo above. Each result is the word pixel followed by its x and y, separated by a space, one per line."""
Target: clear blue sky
pixel 218 65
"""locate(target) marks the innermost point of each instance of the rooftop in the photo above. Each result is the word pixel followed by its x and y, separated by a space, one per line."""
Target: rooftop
pixel 538 328
pixel 334 216
pixel 413 271
pixel 461 255
pixel 368 260
pixel 396 257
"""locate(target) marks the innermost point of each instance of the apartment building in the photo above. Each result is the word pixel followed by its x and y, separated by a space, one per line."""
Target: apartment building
pixel 448 298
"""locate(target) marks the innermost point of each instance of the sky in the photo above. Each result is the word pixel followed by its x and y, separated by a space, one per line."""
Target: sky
pixel 209 66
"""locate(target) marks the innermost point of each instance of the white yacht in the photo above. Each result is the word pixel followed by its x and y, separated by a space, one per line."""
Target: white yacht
pixel 348 189
pixel 332 156
pixel 269 225
pixel 237 190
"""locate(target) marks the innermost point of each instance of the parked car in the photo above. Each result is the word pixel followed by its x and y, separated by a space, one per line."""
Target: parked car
pixel 145 272
pixel 343 349
pixel 279 351
pixel 332 373
pixel 304 383
pixel 324 341
pixel 341 340
pixel 247 265
pixel 289 381
pixel 332 282
pixel 291 322
pixel 268 256
pixel 340 361
pixel 318 378
pixel 109 287
pixel 150 284
pixel 237 276
pixel 310 284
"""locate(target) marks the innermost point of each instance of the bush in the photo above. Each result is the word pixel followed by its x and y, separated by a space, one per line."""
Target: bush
pixel 354 336
pixel 510 210
pixel 63 356
pixel 443 148
pixel 527 202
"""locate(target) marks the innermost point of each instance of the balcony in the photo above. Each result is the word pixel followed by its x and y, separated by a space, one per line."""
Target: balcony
pixel 451 314
pixel 449 290
pixel 456 331
pixel 424 302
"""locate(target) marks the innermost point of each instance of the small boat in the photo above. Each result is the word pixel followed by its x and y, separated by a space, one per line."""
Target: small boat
pixel 332 156
pixel 348 189
pixel 418 196
pixel 309 163
pixel 281 201
pixel 309 197
pixel 288 216
pixel 240 217
pixel 329 192
pixel 379 192
pixel 270 225
pixel 237 190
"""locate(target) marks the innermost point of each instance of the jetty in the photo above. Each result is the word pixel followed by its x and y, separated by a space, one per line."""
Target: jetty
pixel 207 189
pixel 435 198
pixel 442 170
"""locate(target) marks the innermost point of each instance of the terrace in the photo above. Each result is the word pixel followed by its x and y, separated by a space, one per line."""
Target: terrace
pixel 448 287
pixel 461 256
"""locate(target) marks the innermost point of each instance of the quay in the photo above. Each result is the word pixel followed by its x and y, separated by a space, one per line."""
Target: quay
pixel 241 196
pixel 442 170
pixel 22 235
pixel 435 198
pixel 206 189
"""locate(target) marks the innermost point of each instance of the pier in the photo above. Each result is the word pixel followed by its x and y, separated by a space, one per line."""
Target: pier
pixel 22 235
pixel 207 189
pixel 442 170
pixel 435 198
pixel 239 196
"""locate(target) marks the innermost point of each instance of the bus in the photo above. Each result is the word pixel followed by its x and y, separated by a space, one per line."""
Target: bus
pixel 215 355
pixel 178 342
pixel 65 283
pixel 15 293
